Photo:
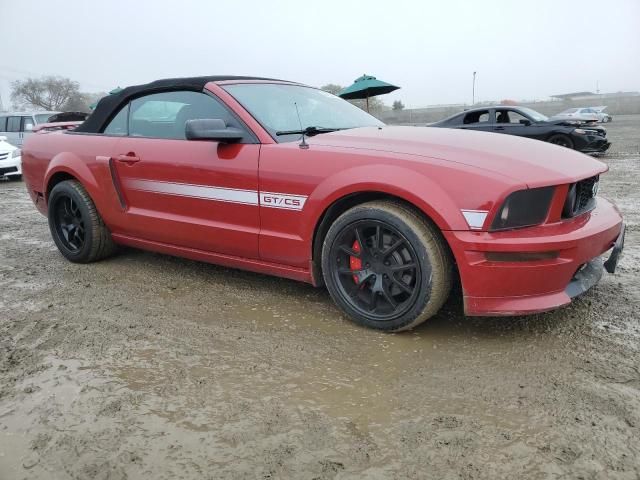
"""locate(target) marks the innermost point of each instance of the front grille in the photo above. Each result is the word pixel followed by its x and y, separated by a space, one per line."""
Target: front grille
pixel 581 197
pixel 3 156
pixel 4 171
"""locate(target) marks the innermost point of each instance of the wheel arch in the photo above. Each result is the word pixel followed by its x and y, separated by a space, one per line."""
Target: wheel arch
pixel 68 166
pixel 346 202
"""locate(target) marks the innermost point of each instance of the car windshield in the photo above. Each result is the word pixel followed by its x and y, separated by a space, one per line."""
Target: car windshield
pixel 536 116
pixel 281 108
pixel 42 117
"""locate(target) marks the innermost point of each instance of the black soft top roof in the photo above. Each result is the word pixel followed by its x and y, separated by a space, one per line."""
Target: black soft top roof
pixel 109 105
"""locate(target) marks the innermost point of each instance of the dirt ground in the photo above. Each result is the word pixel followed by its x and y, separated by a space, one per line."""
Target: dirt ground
pixel 148 366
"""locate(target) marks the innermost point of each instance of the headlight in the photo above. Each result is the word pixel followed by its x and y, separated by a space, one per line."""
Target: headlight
pixel 16 153
pixel 581 131
pixel 524 208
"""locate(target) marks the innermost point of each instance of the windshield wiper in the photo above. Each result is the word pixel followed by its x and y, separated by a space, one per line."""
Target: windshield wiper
pixel 309 131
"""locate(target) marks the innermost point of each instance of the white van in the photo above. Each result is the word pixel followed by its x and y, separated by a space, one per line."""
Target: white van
pixel 15 126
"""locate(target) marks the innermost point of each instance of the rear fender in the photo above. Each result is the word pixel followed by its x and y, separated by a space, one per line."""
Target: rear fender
pixel 95 180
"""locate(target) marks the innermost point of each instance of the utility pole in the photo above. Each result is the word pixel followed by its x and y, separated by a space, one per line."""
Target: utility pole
pixel 473 91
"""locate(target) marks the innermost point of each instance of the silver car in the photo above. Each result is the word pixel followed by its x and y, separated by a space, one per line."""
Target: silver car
pixel 578 114
pixel 16 126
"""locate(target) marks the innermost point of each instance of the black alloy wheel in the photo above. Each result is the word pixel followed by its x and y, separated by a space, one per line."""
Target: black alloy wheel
pixel 386 265
pixel 76 226
pixel 561 140
pixel 377 269
pixel 69 223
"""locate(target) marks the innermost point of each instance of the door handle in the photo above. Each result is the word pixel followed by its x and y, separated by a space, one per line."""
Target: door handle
pixel 129 158
pixel 499 128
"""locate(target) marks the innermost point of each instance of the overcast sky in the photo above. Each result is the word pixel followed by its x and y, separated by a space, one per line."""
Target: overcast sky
pixel 521 50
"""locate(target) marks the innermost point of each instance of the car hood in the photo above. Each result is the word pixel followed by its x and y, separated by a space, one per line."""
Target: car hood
pixel 532 162
pixel 573 122
pixel 574 118
pixel 6 146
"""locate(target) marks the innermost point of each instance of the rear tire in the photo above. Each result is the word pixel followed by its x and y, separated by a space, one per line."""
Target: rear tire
pixel 561 140
pixel 386 266
pixel 76 226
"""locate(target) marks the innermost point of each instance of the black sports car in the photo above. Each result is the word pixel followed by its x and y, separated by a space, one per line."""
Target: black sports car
pixel 525 122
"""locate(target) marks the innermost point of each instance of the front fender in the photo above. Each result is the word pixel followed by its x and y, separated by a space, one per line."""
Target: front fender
pixel 407 184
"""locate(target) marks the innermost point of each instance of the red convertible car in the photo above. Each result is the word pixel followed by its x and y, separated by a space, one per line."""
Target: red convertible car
pixel 281 178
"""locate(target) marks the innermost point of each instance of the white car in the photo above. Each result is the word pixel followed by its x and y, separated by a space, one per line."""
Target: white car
pixel 578 114
pixel 10 160
pixel 603 117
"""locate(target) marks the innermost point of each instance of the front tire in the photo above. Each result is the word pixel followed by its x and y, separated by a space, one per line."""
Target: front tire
pixel 561 140
pixel 76 226
pixel 386 266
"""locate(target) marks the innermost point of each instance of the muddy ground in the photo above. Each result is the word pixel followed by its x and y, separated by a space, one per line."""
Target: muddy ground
pixel 148 366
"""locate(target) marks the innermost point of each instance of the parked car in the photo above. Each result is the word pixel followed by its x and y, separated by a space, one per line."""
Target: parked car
pixel 603 117
pixel 525 122
pixel 17 126
pixel 579 114
pixel 10 160
pixel 68 117
pixel 285 179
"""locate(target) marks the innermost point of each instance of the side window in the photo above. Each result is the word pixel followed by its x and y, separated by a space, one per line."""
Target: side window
pixel 118 124
pixel 164 115
pixel 3 124
pixel 481 116
pixel 13 124
pixel 509 116
pixel 27 124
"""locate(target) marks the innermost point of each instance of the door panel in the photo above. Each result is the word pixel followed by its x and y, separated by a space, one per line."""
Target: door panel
pixel 508 121
pixel 196 194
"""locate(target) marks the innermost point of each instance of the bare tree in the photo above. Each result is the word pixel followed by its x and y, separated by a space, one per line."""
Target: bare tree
pixel 81 101
pixel 49 93
pixel 332 88
pixel 375 104
pixel 397 105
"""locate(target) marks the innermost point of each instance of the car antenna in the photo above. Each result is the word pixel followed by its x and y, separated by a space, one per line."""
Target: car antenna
pixel 303 144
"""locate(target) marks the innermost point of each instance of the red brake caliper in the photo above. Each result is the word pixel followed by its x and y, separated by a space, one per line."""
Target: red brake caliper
pixel 355 263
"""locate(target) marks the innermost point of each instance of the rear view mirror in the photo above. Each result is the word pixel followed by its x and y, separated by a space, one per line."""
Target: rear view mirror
pixel 212 129
pixel 525 122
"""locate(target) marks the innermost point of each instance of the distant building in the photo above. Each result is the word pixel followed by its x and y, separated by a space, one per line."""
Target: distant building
pixel 593 96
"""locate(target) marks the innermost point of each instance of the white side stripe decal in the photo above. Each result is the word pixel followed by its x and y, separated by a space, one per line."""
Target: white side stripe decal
pixel 249 197
pixel 220 194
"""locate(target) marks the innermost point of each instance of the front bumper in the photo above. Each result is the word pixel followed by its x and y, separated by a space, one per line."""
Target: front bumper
pixel 592 144
pixel 572 249
pixel 11 166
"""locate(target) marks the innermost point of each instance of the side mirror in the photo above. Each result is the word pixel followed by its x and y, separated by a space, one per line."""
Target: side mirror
pixel 525 122
pixel 3 139
pixel 212 129
pixel 28 127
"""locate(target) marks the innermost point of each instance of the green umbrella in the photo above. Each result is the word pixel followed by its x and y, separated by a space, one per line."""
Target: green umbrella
pixel 366 86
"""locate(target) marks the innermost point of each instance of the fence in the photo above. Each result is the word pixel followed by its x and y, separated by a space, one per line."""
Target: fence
pixel 622 105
